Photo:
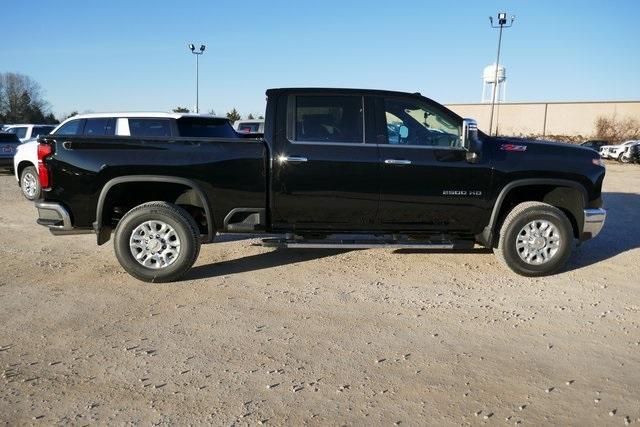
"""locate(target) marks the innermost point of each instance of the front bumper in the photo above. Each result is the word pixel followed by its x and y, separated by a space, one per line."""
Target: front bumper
pixel 57 219
pixel 593 222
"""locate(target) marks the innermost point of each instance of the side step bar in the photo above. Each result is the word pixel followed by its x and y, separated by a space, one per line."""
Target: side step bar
pixel 363 244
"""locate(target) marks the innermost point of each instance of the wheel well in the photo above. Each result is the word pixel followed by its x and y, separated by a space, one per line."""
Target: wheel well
pixel 22 166
pixel 568 199
pixel 122 197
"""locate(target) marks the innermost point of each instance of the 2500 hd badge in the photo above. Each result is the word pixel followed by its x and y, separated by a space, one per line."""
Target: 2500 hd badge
pixel 461 193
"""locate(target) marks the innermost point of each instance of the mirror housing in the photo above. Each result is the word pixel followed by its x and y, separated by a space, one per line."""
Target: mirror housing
pixel 470 141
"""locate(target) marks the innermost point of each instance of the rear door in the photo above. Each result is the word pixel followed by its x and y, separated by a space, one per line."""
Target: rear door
pixel 325 164
pixel 426 182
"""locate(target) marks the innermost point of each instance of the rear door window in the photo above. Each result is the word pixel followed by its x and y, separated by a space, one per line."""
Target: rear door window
pixel 329 119
pixel 150 127
pixel 205 128
pixel 96 127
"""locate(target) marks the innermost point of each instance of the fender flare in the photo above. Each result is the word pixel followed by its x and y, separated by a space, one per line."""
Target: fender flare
pixel 486 237
pixel 152 178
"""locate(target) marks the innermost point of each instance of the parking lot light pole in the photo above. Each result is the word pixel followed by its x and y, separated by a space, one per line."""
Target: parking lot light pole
pixel 197 54
pixel 502 23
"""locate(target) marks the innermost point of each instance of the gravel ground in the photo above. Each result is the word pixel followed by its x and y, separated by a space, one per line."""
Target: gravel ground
pixel 255 335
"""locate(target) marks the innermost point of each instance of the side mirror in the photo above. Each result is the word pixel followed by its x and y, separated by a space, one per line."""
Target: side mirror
pixel 404 132
pixel 470 141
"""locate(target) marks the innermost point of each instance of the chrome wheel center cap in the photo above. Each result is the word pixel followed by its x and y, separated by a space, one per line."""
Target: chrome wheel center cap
pixel 538 243
pixel 154 245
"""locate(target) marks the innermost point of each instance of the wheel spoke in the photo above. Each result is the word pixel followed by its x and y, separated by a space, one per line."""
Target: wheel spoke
pixel 154 244
pixel 538 242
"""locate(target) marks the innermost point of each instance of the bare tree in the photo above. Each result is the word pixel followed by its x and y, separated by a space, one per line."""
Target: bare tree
pixel 21 100
pixel 612 129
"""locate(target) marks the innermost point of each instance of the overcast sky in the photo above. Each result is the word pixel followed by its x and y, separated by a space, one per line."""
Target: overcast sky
pixel 132 55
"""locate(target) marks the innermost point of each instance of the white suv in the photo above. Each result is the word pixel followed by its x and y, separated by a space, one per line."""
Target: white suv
pixel 27 132
pixel 25 161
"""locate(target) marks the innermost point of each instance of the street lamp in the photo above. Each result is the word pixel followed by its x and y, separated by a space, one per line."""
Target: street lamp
pixel 197 54
pixel 502 23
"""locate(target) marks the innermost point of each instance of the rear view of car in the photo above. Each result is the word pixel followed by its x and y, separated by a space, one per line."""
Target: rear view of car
pixel 8 144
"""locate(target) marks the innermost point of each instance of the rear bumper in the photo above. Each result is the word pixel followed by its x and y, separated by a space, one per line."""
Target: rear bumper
pixel 57 219
pixel 593 222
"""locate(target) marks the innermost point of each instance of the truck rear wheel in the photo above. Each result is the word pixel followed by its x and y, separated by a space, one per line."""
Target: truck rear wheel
pixel 535 239
pixel 157 242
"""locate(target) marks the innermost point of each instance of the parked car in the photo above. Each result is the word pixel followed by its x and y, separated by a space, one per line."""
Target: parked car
pixel 8 144
pixel 630 154
pixel 249 126
pixel 614 151
pixel 117 124
pixel 325 170
pixel 27 132
pixel 594 144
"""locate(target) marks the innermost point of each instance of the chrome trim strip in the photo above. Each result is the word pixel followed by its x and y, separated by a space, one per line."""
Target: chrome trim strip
pixel 594 221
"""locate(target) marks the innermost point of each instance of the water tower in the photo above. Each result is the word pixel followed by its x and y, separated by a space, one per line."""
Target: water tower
pixel 490 83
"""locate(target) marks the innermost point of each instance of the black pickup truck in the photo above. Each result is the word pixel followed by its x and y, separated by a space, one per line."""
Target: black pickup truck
pixel 341 168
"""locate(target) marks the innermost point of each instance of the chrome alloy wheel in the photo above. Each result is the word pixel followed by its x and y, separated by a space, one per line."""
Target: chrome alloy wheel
pixel 29 184
pixel 538 242
pixel 154 244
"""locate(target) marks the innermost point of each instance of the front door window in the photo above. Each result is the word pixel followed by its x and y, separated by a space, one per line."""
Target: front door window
pixel 412 124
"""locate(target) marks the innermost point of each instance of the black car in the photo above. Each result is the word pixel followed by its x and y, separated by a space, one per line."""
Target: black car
pixel 594 144
pixel 397 170
pixel 8 144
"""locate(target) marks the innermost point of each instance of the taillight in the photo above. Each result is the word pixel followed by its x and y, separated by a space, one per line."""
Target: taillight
pixel 44 150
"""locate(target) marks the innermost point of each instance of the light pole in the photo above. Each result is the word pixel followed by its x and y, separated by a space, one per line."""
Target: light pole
pixel 502 23
pixel 197 54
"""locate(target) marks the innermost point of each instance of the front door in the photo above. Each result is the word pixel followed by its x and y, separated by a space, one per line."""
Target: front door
pixel 325 172
pixel 426 182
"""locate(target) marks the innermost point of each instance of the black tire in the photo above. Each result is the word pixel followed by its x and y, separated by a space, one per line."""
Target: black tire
pixel 31 189
pixel 521 215
pixel 186 230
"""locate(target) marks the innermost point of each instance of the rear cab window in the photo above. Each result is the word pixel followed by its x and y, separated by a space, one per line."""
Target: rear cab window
pixel 205 127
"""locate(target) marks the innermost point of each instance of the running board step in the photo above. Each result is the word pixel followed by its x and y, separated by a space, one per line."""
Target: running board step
pixel 362 244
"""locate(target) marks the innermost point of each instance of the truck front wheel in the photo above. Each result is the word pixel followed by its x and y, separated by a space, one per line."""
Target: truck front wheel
pixel 535 239
pixel 157 242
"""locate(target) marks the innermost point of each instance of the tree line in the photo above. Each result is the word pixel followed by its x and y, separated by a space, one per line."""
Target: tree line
pixel 21 100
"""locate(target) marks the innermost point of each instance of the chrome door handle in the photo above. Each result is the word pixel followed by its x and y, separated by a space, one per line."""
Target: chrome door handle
pixel 287 159
pixel 397 162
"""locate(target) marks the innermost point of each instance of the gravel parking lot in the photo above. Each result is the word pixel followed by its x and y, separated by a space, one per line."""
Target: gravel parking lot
pixel 256 335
